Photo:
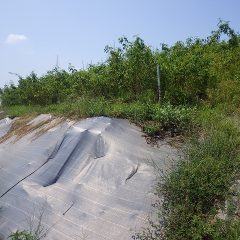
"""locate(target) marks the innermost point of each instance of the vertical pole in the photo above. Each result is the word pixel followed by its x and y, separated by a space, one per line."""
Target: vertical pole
pixel 57 63
pixel 159 86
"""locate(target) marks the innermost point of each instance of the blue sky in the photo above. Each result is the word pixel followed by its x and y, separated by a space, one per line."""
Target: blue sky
pixel 34 32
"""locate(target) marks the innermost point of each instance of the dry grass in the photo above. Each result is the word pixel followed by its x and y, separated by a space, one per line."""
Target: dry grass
pixel 21 127
pixel 44 128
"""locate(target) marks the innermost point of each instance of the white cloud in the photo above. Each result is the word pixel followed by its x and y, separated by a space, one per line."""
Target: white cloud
pixel 15 38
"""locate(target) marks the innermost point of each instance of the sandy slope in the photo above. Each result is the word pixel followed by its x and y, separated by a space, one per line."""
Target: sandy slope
pixel 90 179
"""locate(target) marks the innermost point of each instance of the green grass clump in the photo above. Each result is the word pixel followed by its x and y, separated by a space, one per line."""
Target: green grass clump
pixel 23 235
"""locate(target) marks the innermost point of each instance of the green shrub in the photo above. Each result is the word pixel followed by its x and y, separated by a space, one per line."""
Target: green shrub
pixel 173 118
pixel 151 129
pixel 23 235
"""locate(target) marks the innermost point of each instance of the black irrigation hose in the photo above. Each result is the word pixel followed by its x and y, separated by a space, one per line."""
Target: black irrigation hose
pixel 53 154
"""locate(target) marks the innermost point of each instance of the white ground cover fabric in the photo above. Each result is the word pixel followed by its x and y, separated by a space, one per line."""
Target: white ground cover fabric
pixel 5 125
pixel 91 179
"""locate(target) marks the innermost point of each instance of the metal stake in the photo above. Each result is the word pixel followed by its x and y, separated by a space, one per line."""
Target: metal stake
pixel 159 86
